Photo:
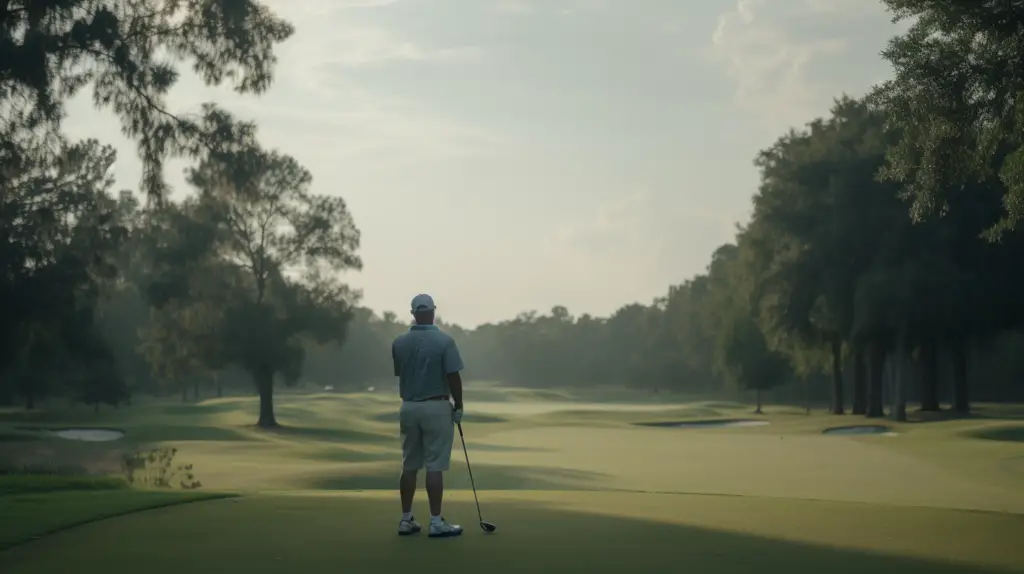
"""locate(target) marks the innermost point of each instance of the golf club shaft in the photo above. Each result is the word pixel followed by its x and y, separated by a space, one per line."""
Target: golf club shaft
pixel 472 483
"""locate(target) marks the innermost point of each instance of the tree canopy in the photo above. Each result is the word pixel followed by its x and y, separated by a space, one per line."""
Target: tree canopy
pixel 127 52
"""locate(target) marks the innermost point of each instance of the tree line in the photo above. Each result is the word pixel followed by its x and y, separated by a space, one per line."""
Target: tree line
pixel 880 266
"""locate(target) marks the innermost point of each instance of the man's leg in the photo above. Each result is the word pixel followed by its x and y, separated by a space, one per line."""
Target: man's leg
pixel 435 491
pixel 412 461
pixel 438 435
pixel 407 487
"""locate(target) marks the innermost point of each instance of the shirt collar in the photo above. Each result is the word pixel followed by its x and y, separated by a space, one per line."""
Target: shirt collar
pixel 423 328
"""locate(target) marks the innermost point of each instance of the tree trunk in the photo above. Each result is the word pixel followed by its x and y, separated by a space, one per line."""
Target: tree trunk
pixel 264 379
pixel 876 372
pixel 900 376
pixel 184 393
pixel 757 393
pixel 860 381
pixel 217 383
pixel 838 408
pixel 928 377
pixel 195 389
pixel 30 399
pixel 961 399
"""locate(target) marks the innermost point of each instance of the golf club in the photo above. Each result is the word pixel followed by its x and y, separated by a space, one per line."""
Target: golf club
pixel 485 526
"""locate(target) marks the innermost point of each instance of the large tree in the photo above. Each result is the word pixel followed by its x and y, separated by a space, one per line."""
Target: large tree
pixel 287 247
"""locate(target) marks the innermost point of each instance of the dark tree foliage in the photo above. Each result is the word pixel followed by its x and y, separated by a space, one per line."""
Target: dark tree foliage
pixel 956 100
pixel 59 234
pixel 127 51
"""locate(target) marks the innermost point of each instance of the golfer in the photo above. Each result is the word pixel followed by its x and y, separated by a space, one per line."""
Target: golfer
pixel 427 365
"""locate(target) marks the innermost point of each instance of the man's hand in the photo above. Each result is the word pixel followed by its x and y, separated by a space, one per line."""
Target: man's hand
pixel 457 413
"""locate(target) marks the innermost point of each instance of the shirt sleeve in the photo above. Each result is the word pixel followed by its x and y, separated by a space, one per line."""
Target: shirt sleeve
pixel 394 359
pixel 452 362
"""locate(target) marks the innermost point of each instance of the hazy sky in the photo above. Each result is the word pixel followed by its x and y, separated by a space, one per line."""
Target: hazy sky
pixel 511 155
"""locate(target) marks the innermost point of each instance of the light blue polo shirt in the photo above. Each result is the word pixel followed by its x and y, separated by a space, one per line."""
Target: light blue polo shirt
pixel 423 358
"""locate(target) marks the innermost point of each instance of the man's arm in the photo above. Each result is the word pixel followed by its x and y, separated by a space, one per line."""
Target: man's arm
pixel 394 359
pixel 455 384
pixel 452 362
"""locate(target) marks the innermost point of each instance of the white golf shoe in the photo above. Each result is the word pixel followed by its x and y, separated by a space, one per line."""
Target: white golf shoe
pixel 443 529
pixel 407 527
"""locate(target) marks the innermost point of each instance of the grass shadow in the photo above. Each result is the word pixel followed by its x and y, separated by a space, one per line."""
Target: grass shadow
pixel 200 409
pixel 162 433
pixel 473 418
pixel 484 447
pixel 997 411
pixel 18 436
pixel 857 430
pixel 487 476
pixel 331 434
pixel 340 454
pixel 53 482
pixel 978 412
pixel 306 535
pixel 703 424
pixel 1003 434
pixel 23 416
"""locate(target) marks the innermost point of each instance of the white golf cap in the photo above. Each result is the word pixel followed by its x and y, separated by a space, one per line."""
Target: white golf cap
pixel 423 302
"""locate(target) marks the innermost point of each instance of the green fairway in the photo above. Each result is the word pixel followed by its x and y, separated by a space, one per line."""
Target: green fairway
pixel 574 485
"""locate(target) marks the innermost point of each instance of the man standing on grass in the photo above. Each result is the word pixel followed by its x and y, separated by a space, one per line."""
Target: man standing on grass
pixel 427 365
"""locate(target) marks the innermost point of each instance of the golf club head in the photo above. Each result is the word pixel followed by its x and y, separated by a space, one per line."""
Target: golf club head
pixel 487 527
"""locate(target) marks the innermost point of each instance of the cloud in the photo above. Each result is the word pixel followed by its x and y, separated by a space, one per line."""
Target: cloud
pixel 319 108
pixel 562 7
pixel 515 6
pixel 353 121
pixel 769 61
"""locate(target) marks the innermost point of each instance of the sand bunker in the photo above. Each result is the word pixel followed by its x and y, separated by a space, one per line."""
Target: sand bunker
pixel 861 430
pixel 718 423
pixel 89 435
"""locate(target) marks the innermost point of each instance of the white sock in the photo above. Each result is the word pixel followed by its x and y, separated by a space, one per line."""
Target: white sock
pixel 435 519
pixel 407 516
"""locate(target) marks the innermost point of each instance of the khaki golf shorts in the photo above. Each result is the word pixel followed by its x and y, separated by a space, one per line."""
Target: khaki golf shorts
pixel 427 435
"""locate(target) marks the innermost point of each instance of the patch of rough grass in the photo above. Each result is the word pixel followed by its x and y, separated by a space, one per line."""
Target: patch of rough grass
pixel 30 516
pixel 543 531
pixel 38 483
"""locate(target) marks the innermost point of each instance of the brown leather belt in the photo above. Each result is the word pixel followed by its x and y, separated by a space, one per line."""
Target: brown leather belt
pixel 434 398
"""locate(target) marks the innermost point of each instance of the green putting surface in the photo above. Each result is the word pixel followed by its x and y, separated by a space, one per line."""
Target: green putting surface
pixel 547 532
